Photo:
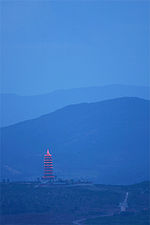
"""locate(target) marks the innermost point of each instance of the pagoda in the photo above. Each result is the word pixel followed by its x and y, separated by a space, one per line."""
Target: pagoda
pixel 48 166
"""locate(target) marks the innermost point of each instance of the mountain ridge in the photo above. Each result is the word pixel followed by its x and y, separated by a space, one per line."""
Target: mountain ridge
pixel 97 139
pixel 15 108
pixel 72 105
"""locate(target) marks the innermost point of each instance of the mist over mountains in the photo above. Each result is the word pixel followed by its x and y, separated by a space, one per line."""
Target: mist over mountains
pixel 15 108
pixel 106 142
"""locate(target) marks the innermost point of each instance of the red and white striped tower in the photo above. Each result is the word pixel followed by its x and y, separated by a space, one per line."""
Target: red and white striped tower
pixel 48 166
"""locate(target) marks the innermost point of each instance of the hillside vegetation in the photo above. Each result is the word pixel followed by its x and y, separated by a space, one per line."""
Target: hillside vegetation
pixel 56 203
pixel 92 141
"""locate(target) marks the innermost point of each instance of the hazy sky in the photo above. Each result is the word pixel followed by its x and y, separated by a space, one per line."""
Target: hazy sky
pixel 64 44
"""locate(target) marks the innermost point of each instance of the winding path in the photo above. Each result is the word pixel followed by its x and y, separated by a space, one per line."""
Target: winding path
pixel 123 205
pixel 79 222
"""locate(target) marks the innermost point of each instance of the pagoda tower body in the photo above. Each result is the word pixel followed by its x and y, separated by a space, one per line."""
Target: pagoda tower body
pixel 48 166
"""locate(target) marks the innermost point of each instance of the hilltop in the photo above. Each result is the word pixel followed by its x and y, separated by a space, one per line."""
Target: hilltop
pixel 16 108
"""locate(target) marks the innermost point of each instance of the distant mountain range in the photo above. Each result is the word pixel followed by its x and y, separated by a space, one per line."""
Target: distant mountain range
pixel 15 108
pixel 106 142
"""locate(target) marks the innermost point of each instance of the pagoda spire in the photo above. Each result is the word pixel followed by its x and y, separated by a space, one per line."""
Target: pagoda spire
pixel 48 153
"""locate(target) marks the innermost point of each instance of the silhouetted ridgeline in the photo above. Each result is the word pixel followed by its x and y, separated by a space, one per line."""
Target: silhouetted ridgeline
pixel 17 108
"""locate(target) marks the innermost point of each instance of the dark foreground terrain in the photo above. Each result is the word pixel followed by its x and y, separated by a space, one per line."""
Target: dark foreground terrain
pixel 33 204
pixel 140 218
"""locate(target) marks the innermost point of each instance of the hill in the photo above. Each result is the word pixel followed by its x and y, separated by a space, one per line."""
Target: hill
pixel 106 142
pixel 30 203
pixel 15 108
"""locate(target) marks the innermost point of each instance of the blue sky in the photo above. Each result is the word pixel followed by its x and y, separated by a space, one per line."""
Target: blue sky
pixel 49 45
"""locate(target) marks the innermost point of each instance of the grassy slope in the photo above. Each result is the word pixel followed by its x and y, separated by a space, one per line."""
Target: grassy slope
pixel 24 198
pixel 23 203
pixel 142 218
